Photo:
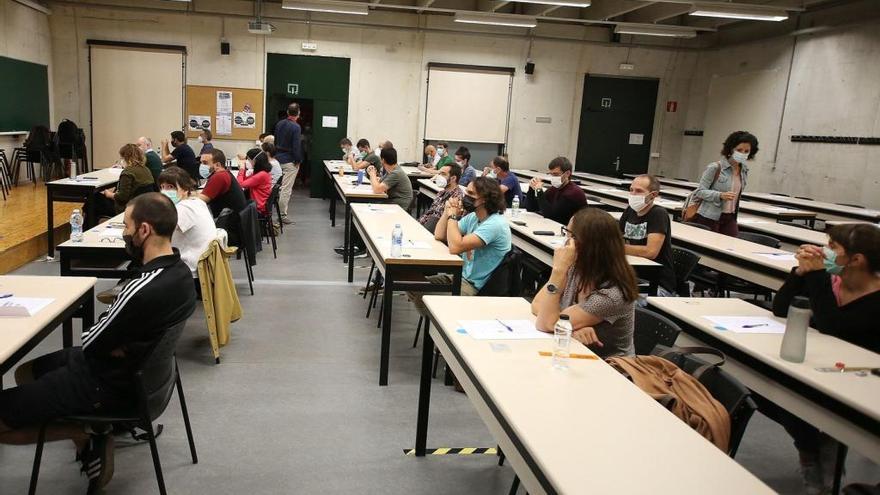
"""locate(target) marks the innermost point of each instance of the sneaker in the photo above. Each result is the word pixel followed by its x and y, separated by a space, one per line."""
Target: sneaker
pixel 359 253
pixel 340 250
pixel 286 220
pixel 97 462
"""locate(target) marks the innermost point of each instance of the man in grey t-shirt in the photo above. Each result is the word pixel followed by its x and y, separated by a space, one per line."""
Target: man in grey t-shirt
pixel 395 184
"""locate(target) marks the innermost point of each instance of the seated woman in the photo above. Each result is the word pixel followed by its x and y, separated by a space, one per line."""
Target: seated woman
pixel 195 226
pixel 842 281
pixel 593 284
pixel 134 179
pixel 258 181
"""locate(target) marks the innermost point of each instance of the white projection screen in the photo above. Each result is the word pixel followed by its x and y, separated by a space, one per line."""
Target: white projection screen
pixel 136 91
pixel 468 104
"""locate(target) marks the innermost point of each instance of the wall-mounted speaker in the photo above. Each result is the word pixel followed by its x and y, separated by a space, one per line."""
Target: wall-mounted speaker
pixel 224 48
pixel 530 68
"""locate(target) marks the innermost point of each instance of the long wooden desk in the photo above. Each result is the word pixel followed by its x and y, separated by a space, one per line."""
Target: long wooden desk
pixel 602 179
pixel 844 405
pixel 74 191
pixel 332 167
pixel 830 211
pixel 584 430
pixel 74 297
pixel 349 193
pixel 98 255
pixel 406 273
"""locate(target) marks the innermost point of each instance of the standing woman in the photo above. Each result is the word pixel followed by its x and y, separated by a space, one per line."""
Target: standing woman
pixel 593 284
pixel 723 182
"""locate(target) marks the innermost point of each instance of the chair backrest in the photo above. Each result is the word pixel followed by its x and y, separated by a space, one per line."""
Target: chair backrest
pixel 805 197
pixel 697 225
pixel 249 232
pixel 505 279
pixel 273 198
pixel 683 263
pixel 158 373
pixel 651 329
pixel 851 205
pixel 596 199
pixel 144 189
pixel 781 194
pixel 764 240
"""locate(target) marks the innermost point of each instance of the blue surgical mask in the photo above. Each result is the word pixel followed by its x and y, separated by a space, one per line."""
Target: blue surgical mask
pixel 172 195
pixel 740 157
pixel 204 171
pixel 830 261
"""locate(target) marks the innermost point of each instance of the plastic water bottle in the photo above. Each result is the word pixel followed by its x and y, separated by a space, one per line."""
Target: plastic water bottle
pixel 76 226
pixel 396 241
pixel 794 342
pixel 72 169
pixel 561 341
pixel 514 205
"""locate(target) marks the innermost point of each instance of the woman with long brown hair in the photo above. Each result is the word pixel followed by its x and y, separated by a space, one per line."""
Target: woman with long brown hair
pixel 134 179
pixel 593 284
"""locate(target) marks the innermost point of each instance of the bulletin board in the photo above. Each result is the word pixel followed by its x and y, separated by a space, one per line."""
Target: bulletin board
pixel 204 102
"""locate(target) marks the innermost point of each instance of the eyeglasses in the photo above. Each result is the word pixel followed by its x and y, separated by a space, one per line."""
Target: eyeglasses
pixel 563 231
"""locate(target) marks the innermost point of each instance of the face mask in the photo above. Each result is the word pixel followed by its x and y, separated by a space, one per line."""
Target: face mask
pixel 204 171
pixel 555 181
pixel 362 155
pixel 492 175
pixel 460 163
pixel 441 151
pixel 201 139
pixel 248 172
pixel 468 203
pixel 248 164
pixel 830 261
pixel 378 151
pixel 172 195
pixel 440 180
pixel 136 252
pixel 258 143
pixel 740 157
pixel 637 202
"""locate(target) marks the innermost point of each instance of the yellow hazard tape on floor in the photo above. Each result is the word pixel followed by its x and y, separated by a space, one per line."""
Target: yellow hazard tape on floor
pixel 456 451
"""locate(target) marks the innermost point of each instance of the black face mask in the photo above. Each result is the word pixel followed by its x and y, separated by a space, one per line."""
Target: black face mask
pixel 468 203
pixel 136 252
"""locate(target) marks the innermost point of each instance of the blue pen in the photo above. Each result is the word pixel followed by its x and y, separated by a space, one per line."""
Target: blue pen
pixel 4 296
pixel 504 324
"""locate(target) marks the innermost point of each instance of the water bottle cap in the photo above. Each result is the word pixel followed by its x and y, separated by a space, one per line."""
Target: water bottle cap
pixel 76 210
pixel 396 225
pixel 800 302
pixel 564 317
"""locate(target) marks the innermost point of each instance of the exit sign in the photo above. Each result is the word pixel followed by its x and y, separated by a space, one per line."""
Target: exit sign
pixel 292 89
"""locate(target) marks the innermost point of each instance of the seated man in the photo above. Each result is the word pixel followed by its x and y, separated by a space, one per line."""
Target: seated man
pixel 562 199
pixel 443 153
pixel 346 147
pixel 430 165
pixel 205 138
pixel 463 159
pixel 447 179
pixel 646 230
pixel 481 236
pixel 154 161
pixel 182 154
pixel 97 377
pixel 499 170
pixel 395 183
pixel 222 190
pixel 364 158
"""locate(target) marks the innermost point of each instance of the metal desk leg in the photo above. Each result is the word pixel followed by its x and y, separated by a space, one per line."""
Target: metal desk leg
pixel 424 392
pixel 50 220
pixel 333 209
pixel 347 250
pixel 456 282
pixel 388 295
pixel 88 310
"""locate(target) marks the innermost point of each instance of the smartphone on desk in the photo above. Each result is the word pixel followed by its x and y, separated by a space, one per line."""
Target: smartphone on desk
pixel 543 232
pixel 518 222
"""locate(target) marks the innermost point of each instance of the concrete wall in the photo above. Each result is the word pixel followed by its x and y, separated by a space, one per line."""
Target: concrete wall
pixel 24 35
pixel 388 69
pixel 832 90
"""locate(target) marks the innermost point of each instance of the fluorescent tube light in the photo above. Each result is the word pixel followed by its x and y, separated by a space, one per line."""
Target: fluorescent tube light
pixel 331 7
pixel 561 3
pixel 496 20
pixel 667 31
pixel 739 11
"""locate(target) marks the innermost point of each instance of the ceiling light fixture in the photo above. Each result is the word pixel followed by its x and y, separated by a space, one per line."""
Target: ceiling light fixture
pixel 496 20
pixel 331 7
pixel 666 31
pixel 562 3
pixel 739 11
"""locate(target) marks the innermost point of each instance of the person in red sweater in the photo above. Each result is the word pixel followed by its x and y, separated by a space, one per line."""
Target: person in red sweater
pixel 258 180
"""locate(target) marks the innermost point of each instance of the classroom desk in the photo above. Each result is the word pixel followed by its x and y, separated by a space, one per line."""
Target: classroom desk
pixel 350 193
pixel 98 255
pixel 755 207
pixel 76 191
pixel 831 211
pixel 74 297
pixel 619 198
pixel 406 273
pixel 687 184
pixel 844 405
pixel 584 430
pixel 603 179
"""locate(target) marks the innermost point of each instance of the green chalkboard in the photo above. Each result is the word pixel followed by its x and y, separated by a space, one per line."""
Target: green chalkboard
pixel 24 95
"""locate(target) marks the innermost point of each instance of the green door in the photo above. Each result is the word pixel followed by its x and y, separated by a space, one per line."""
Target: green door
pixel 321 85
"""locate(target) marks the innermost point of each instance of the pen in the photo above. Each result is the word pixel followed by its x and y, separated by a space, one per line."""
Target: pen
pixel 4 296
pixel 571 355
pixel 505 325
pixel 756 325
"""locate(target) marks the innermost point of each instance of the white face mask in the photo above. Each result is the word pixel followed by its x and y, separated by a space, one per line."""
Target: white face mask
pixel 378 151
pixel 555 181
pixel 258 143
pixel 492 174
pixel 637 202
pixel 441 152
pixel 740 157
pixel 201 139
pixel 440 180
pixel 460 163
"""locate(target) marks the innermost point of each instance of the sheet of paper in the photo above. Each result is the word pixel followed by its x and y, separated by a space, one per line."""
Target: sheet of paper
pixel 110 233
pixel 23 306
pixel 496 330
pixel 410 244
pixel 747 324
pixel 330 121
pixel 224 125
pixel 198 122
pixel 778 256
pixel 245 120
pixel 224 102
pixel 557 242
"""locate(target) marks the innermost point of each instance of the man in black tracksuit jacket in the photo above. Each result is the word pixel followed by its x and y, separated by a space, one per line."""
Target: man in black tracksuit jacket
pixel 97 378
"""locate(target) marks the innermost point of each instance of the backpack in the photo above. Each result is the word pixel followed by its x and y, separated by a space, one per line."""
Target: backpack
pixel 682 394
pixel 692 203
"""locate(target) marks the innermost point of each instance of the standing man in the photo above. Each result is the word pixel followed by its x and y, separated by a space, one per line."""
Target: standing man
pixel 289 145
pixel 154 161
pixel 646 230
pixel 562 199
pixel 182 153
pixel 205 138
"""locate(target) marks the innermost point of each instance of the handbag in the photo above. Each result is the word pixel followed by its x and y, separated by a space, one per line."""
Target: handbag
pixel 692 202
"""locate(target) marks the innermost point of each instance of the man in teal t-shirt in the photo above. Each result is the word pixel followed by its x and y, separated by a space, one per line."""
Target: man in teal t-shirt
pixel 481 236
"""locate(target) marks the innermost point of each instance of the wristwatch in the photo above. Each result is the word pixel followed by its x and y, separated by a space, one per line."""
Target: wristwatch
pixel 551 288
pixel 454 217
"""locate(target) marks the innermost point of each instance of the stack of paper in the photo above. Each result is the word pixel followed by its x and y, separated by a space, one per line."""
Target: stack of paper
pixel 502 329
pixel 747 324
pixel 23 306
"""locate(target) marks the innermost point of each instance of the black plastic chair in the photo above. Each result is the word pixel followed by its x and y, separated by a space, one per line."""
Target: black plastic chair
pixel 651 329
pixel 266 226
pixel 697 225
pixel 154 385
pixel 231 222
pixel 729 284
pixel 763 239
pixel 684 261
pixel 726 389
